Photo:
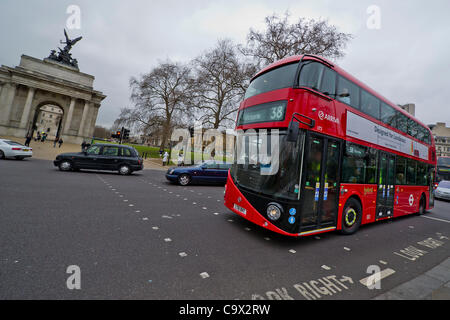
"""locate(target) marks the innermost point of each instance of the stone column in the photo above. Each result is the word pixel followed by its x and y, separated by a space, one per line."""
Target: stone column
pixel 69 116
pixel 90 131
pixel 27 108
pixel 8 94
pixel 83 119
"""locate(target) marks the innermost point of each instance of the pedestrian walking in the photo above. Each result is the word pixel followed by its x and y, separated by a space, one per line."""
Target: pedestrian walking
pixel 83 146
pixel 28 140
pixel 60 142
pixel 165 158
pixel 55 142
pixel 180 160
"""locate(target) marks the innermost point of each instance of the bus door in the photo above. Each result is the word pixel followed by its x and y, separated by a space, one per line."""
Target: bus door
pixel 386 186
pixel 321 172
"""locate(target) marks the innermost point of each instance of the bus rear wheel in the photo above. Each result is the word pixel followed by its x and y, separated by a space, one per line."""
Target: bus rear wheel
pixel 351 217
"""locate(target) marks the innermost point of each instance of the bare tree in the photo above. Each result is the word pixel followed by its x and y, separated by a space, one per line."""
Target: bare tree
pixel 282 39
pixel 161 97
pixel 221 78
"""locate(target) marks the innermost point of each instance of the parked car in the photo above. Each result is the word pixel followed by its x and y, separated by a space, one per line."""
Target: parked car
pixel 112 157
pixel 207 172
pixel 443 190
pixel 12 149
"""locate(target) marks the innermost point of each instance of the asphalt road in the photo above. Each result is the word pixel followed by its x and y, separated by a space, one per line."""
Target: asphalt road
pixel 139 237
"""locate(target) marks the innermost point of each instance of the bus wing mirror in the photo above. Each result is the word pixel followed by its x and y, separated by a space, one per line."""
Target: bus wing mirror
pixel 293 129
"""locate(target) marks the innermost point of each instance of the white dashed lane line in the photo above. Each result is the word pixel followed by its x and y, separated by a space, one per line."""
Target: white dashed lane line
pixel 436 219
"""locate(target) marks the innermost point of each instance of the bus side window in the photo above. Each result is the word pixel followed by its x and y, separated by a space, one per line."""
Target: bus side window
pixel 371 166
pixel 328 83
pixel 353 165
pixel 402 122
pixel 422 174
pixel 348 92
pixel 370 105
pixel 387 115
pixel 400 171
pixel 411 172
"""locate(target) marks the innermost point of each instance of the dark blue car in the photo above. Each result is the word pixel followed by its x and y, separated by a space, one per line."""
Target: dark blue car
pixel 207 172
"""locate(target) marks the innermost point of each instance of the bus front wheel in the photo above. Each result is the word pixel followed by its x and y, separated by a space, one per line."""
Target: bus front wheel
pixel 351 216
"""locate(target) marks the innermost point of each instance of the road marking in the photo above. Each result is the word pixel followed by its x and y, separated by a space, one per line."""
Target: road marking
pixel 247 229
pixel 131 205
pixel 437 219
pixel 204 208
pixel 267 238
pixel 204 275
pixel 216 213
pixel 292 251
pixel 347 249
pixel 155 228
pixel 168 240
pixel 145 219
pixel 182 254
pixel 379 275
pixel 325 267
pixel 383 262
pixel 138 211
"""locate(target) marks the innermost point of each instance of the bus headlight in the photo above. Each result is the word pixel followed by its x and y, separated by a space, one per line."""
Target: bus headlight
pixel 274 211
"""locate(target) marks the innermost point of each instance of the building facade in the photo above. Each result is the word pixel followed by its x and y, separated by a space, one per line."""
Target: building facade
pixel 34 84
pixel 441 135
pixel 410 108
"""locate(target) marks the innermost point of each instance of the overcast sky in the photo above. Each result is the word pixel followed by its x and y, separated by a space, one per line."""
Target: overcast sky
pixel 407 59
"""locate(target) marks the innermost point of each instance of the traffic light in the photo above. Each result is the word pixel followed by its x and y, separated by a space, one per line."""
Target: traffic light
pixel 126 133
pixel 117 135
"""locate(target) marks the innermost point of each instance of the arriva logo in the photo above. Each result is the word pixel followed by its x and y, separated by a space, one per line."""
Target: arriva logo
pixel 324 116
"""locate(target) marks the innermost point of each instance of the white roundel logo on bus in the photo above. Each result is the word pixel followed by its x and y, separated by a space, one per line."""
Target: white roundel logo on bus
pixel 321 115
pixel 411 200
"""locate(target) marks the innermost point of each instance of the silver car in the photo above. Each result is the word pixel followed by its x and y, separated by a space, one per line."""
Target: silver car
pixel 12 149
pixel 443 190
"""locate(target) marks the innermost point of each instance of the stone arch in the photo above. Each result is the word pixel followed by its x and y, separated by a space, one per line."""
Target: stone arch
pixel 34 83
pixel 38 110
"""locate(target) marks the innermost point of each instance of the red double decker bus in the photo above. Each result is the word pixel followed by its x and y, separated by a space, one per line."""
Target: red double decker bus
pixel 344 156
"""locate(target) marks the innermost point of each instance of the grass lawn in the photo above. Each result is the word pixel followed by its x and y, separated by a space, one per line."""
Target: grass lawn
pixel 153 152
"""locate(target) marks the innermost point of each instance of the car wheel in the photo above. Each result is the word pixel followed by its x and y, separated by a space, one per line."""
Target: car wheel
pixel 351 217
pixel 65 165
pixel 184 179
pixel 2 155
pixel 124 170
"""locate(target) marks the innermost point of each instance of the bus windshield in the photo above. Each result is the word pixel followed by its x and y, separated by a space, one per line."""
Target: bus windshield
pixel 278 177
pixel 279 78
